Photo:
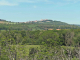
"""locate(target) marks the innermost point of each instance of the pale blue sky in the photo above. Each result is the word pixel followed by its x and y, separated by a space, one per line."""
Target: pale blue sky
pixel 28 10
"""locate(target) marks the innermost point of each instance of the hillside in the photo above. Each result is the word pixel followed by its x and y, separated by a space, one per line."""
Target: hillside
pixel 2 21
pixel 48 22
pixel 36 25
pixel 77 25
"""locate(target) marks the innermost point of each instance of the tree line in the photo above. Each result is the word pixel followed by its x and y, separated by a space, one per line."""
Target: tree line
pixel 37 26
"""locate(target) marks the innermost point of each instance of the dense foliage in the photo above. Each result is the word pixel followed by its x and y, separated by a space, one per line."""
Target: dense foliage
pixel 54 44
pixel 53 37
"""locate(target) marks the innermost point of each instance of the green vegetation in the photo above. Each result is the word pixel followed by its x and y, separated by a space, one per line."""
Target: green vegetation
pixel 26 48
pixel 34 41
pixel 39 25
pixel 40 45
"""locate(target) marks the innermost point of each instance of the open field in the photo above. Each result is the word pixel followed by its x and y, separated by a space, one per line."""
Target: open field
pixel 24 49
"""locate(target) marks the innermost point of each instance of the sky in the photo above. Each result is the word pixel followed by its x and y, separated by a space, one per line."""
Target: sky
pixel 29 10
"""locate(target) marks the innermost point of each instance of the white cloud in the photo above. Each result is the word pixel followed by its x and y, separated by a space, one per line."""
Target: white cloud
pixel 3 2
pixel 27 1
pixel 73 1
pixel 17 2
pixel 33 1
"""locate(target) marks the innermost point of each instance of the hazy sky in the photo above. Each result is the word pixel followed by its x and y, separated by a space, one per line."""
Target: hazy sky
pixel 28 10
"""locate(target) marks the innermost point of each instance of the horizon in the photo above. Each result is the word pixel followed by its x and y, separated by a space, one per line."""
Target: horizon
pixel 40 20
pixel 30 10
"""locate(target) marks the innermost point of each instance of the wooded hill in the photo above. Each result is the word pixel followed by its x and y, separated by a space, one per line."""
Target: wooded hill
pixel 36 25
pixel 18 41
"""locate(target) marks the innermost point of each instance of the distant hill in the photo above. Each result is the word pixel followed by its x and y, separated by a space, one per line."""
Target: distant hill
pixel 36 25
pixel 77 25
pixel 3 21
pixel 48 22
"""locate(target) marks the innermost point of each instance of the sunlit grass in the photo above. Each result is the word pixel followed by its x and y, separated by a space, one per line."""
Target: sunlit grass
pixel 24 49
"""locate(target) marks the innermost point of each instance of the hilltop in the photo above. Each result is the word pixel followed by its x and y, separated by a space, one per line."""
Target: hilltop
pixel 45 24
pixel 2 21
pixel 46 21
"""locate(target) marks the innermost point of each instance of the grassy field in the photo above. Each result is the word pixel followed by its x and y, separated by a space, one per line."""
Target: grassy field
pixel 30 46
pixel 24 49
